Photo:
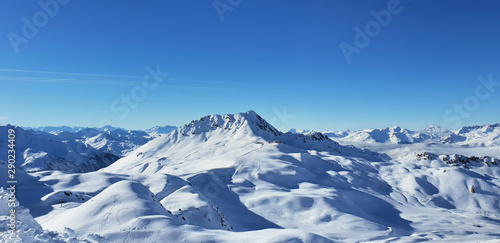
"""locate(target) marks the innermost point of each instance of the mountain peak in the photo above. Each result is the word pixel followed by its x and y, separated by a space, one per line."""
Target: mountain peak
pixel 397 129
pixel 249 120
pixel 434 129
pixel 483 128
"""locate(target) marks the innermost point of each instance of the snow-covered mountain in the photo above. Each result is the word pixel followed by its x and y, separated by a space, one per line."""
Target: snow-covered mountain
pixel 487 135
pixel 399 142
pixel 234 177
pixel 86 150
pixel 45 151
pixel 161 129
pixel 301 131
pixel 109 139
pixel 436 130
pixel 396 135
pixel 54 129
pixel 219 136
pixel 117 141
pixel 59 129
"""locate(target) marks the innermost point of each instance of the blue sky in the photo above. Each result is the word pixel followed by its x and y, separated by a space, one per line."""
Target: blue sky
pixel 273 57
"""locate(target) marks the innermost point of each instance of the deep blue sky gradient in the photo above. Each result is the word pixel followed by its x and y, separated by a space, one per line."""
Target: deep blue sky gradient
pixel 265 56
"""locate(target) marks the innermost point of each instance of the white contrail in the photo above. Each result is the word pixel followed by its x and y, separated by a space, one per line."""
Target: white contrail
pixel 63 73
pixel 103 82
pixel 74 80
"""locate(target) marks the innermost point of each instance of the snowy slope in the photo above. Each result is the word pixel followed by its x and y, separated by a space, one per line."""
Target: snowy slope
pixel 134 207
pixel 28 229
pixel 289 183
pixel 220 137
pixel 232 178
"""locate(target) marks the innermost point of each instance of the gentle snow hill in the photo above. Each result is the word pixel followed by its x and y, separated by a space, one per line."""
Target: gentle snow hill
pixel 28 230
pixel 45 151
pixel 135 206
pixel 125 208
pixel 447 181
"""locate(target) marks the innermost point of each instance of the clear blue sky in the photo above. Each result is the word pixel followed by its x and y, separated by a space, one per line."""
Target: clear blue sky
pixel 264 56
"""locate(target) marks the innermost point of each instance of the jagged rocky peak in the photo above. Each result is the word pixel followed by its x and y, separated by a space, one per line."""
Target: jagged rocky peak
pixel 249 120
pixel 319 136
pixel 263 124
pixel 457 159
pixel 397 129
pixel 426 156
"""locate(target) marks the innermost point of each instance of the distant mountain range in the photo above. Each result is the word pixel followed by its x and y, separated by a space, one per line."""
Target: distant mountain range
pixel 59 129
pixel 45 147
pixel 161 129
pixel 87 149
pixel 486 135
